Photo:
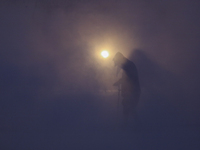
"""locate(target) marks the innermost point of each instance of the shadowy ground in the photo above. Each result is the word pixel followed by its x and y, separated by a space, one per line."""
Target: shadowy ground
pixel 88 122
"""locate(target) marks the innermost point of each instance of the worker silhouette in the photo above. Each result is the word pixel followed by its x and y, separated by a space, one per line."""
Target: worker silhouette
pixel 130 89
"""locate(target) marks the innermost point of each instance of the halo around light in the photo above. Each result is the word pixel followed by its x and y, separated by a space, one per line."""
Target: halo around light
pixel 105 54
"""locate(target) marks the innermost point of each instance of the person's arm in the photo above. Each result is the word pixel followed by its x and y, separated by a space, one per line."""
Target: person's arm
pixel 118 82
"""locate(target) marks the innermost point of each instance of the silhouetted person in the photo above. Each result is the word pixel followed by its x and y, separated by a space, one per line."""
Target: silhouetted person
pixel 130 88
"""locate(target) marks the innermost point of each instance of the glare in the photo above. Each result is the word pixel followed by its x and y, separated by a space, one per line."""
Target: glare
pixel 105 54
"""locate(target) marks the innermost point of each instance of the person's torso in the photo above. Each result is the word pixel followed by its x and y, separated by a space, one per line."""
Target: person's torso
pixel 130 81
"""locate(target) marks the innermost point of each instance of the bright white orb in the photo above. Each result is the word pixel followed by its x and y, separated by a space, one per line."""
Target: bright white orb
pixel 105 54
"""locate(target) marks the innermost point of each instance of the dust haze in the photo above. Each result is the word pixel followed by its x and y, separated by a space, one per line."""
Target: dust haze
pixel 52 70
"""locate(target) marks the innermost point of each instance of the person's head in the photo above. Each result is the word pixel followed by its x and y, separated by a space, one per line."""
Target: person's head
pixel 118 59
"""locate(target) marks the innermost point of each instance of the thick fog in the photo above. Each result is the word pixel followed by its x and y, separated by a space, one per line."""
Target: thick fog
pixel 54 78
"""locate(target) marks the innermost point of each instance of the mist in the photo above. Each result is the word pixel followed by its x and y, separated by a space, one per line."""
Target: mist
pixel 55 85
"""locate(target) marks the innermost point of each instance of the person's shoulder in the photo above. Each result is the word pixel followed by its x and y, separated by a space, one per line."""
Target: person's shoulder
pixel 130 63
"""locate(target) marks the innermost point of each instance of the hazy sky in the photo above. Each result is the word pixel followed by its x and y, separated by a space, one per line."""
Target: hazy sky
pixel 51 48
pixel 53 77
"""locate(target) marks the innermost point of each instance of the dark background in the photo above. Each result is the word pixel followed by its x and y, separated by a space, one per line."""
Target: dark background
pixel 56 91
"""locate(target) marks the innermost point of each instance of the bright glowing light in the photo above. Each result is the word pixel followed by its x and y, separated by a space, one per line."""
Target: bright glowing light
pixel 105 54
